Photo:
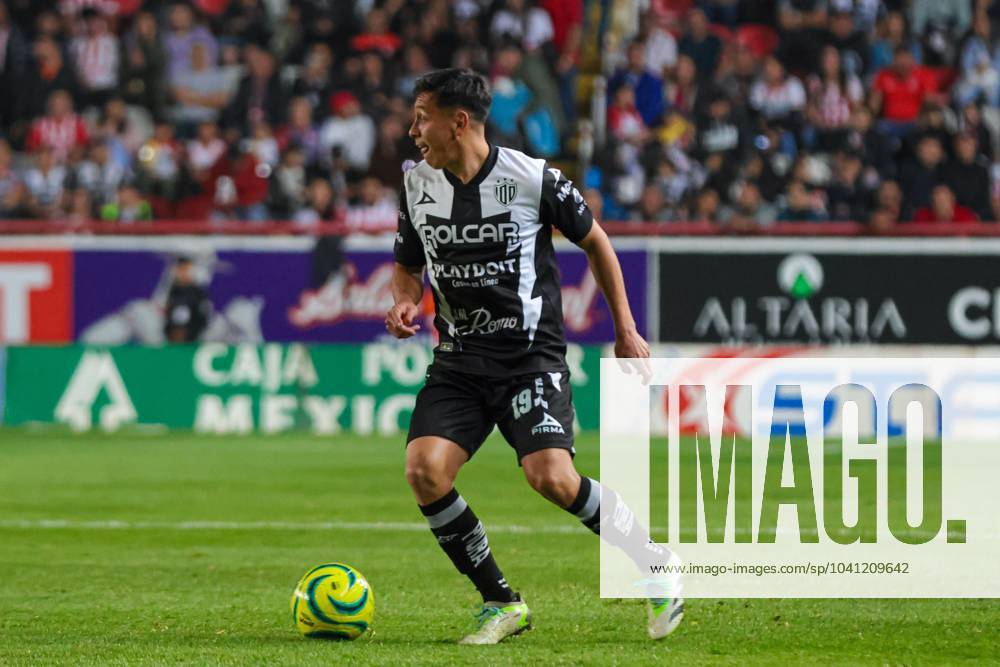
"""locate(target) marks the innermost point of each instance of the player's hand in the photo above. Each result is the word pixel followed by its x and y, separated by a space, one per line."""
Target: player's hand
pixel 399 320
pixel 633 350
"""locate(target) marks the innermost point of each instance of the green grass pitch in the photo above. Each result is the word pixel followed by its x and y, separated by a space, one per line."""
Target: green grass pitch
pixel 215 532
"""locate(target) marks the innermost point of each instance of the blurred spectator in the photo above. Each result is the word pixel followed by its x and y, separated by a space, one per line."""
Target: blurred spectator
pixel 722 130
pixel 849 194
pixel 652 206
pixel 889 203
pixel 206 148
pixel 833 94
pixel 517 20
pixel 300 132
pixel 12 192
pixel 661 46
pixel 98 174
pixel 891 36
pixel 391 150
pixel 376 37
pixel 319 204
pixel 707 205
pixel 624 121
pixel 248 20
pixel 968 177
pixel 851 44
pixel 750 212
pixel 940 24
pixel 97 60
pixel 201 92
pixel 188 306
pixel 263 145
pixel 777 96
pixel 259 98
pixel 415 64
pixel 159 163
pixel 944 209
pixel 682 88
pixel 567 25
pixel 919 177
pixel 14 60
pixel 288 186
pixel 801 205
pixel 49 75
pixel 127 206
pixel 980 66
pixel 875 147
pixel 144 66
pixel 60 130
pixel 182 37
pixel 348 131
pixel 79 206
pixel 699 44
pixel 373 208
pixel 898 93
pixel 315 83
pixel 648 88
pixel 45 183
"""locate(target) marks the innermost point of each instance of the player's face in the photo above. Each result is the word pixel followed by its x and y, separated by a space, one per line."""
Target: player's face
pixel 433 131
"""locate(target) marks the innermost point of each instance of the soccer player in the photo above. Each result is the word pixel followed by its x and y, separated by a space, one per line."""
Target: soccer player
pixel 479 219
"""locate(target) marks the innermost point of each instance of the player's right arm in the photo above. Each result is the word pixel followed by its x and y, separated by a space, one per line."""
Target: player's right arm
pixel 407 277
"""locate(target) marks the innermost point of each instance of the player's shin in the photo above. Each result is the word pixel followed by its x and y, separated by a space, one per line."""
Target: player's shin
pixel 619 527
pixel 462 536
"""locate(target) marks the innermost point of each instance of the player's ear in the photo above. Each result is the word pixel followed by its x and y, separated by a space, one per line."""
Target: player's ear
pixel 461 120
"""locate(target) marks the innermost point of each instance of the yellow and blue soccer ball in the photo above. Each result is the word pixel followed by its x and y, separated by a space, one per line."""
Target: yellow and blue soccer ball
pixel 333 601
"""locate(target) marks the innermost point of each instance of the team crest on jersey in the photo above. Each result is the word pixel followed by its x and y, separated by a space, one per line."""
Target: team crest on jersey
pixel 505 190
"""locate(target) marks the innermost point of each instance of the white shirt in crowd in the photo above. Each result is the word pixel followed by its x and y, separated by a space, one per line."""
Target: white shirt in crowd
pixel 96 61
pixel 203 155
pixel 661 51
pixel 355 136
pixel 533 29
pixel 778 101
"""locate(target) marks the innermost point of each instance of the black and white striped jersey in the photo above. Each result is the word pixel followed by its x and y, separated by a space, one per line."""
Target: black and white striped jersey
pixel 487 246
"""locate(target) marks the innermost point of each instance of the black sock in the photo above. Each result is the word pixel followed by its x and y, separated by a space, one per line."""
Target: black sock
pixel 620 528
pixel 462 536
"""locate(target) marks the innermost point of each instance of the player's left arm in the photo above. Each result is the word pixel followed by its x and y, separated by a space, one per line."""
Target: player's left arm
pixel 607 270
pixel 564 207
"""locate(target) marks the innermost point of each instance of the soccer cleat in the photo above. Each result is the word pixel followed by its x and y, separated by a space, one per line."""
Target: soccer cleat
pixel 499 620
pixel 666 608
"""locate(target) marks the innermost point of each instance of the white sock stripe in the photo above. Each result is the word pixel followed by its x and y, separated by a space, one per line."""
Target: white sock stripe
pixel 593 504
pixel 448 514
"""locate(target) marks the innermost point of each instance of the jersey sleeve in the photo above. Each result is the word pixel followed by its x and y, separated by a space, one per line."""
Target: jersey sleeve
pixel 407 250
pixel 563 207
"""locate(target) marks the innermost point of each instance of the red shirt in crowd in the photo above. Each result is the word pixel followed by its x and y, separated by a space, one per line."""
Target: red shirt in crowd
pixel 61 135
pixel 902 96
pixel 959 214
pixel 565 14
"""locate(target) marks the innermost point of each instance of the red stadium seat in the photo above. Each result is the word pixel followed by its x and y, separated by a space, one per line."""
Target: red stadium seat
pixel 762 40
pixel 671 12
pixel 211 7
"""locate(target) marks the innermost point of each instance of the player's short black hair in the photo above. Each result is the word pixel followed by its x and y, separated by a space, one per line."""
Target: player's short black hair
pixel 455 87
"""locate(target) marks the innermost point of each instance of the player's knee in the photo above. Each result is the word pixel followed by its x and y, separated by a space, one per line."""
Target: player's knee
pixel 559 486
pixel 427 476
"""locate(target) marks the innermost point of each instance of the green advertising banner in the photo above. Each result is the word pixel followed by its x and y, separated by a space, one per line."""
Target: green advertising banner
pixel 218 388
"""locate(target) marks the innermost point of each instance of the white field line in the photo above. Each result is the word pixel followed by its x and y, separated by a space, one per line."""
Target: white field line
pixel 387 526
pixel 383 526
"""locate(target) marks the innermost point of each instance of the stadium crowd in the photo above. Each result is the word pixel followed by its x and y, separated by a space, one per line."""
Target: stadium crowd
pixel 741 112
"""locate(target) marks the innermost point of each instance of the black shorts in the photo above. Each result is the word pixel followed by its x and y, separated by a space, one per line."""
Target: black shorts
pixel 534 412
